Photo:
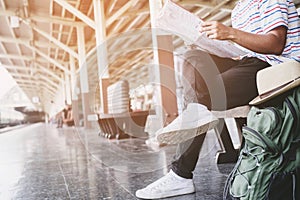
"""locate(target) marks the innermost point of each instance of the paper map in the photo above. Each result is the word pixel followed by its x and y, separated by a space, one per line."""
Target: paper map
pixel 179 21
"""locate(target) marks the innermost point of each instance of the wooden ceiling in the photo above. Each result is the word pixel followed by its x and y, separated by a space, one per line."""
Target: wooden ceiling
pixel 37 53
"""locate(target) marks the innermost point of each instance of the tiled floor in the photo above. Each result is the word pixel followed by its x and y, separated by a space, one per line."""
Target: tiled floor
pixel 42 162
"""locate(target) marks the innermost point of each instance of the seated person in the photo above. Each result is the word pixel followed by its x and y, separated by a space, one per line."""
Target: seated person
pixel 68 116
pixel 59 120
pixel 270 31
pixel 65 117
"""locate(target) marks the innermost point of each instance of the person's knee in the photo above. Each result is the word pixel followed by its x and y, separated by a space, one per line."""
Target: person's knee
pixel 197 62
pixel 191 76
pixel 194 53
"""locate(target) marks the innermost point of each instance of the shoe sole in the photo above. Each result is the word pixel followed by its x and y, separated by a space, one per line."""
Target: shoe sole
pixel 176 137
pixel 166 195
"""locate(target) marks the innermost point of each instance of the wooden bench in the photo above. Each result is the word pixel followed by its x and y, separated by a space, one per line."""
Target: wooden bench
pixel 120 122
pixel 123 125
pixel 228 153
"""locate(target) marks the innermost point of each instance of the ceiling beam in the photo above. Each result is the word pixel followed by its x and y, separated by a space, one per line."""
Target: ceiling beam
pixel 26 41
pixel 49 90
pixel 208 4
pixel 54 40
pixel 44 69
pixel 14 40
pixel 43 18
pixel 10 56
pixel 5 12
pixel 120 12
pixel 40 70
pixel 76 12
pixel 56 20
pixel 5 52
pixel 35 78
pixel 11 29
pixel 51 60
pixel 132 23
pixel 13 67
pixel 51 82
pixel 110 6
pixel 65 55
pixel 40 83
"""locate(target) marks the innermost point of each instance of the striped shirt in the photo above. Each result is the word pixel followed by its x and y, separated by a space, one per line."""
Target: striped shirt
pixel 261 16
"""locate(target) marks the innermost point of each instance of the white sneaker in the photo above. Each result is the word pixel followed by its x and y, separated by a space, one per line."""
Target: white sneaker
pixel 169 185
pixel 193 121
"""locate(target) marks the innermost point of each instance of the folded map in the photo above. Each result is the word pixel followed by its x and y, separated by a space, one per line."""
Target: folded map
pixel 179 21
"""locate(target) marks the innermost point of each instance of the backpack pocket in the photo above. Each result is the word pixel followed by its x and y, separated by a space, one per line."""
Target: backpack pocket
pixel 259 155
pixel 267 121
pixel 263 125
pixel 257 158
pixel 254 138
pixel 268 167
pixel 285 185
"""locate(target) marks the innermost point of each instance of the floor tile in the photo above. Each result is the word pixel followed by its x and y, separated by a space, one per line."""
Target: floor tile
pixel 40 161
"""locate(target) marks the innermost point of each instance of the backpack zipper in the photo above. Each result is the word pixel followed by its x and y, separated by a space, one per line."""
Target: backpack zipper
pixel 277 117
pixel 291 107
pixel 265 140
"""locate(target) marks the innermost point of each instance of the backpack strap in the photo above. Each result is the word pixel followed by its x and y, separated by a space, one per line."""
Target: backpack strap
pixel 290 155
pixel 229 180
pixel 292 109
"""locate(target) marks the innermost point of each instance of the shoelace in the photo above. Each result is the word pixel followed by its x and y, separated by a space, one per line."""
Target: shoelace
pixel 168 179
pixel 236 172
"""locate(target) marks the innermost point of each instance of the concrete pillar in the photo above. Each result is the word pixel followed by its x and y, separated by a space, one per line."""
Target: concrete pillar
pixel 68 88
pixel 101 53
pixel 164 68
pixel 84 85
pixel 74 91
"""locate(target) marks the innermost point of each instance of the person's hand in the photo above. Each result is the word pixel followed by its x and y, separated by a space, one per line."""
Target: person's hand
pixel 272 42
pixel 216 30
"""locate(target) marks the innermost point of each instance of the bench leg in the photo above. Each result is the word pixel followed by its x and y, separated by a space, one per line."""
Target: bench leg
pixel 228 154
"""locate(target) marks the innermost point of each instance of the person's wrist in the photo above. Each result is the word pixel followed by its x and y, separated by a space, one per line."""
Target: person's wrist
pixel 232 34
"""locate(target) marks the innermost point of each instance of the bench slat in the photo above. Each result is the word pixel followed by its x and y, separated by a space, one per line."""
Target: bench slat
pixel 237 112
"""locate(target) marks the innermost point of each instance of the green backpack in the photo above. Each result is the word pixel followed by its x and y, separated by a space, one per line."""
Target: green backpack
pixel 268 167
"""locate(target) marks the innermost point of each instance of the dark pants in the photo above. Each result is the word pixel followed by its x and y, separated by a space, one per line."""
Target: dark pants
pixel 218 83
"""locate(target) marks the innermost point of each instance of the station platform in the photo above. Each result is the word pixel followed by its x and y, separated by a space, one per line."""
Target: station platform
pixel 40 161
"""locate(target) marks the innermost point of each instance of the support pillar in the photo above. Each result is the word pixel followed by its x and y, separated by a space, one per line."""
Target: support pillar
pixel 167 77
pixel 164 69
pixel 68 88
pixel 101 53
pixel 84 85
pixel 74 91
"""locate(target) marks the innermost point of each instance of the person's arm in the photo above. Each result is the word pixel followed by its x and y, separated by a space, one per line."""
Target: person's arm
pixel 272 42
pixel 70 115
pixel 62 115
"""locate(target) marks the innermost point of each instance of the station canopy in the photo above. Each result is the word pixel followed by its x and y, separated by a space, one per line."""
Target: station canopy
pixel 38 38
